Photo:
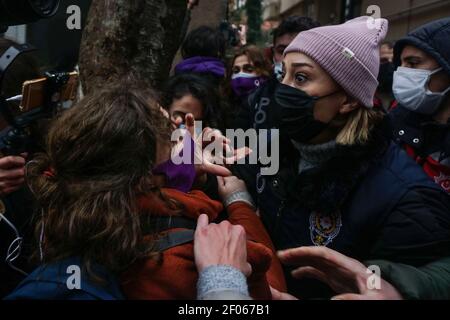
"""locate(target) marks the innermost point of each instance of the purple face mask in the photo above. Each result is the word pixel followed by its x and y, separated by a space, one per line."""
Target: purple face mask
pixel 243 83
pixel 179 176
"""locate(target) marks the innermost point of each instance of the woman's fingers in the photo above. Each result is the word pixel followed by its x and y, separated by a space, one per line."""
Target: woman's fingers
pixel 247 270
pixel 299 256
pixel 216 170
pixel 342 273
pixel 277 295
pixel 12 174
pixel 238 154
pixel 202 221
pixel 11 162
pixel 315 256
pixel 310 272
pixel 349 296
pixel 214 135
pixel 220 181
pixel 189 121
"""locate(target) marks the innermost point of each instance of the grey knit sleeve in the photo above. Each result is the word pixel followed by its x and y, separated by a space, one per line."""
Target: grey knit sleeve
pixel 222 282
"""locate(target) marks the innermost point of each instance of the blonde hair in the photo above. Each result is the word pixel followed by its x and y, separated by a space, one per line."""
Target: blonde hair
pixel 359 125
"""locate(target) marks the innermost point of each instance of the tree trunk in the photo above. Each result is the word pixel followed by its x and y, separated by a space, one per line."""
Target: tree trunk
pixel 130 36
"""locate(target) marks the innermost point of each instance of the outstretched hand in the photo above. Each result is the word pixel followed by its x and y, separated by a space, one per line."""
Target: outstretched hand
pixel 346 276
pixel 213 151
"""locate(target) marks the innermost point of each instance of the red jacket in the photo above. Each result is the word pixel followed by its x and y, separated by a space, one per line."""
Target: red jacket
pixel 175 275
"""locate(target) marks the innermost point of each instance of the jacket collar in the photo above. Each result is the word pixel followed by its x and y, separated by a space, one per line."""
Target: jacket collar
pixel 420 131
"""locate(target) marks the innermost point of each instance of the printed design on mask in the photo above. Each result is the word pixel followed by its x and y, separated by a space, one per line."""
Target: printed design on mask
pixel 443 180
pixel 324 227
pixel 243 83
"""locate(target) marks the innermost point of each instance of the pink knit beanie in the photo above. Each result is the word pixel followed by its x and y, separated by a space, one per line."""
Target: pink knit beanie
pixel 348 52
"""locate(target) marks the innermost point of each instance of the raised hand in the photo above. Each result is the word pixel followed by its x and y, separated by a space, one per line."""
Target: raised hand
pixel 345 275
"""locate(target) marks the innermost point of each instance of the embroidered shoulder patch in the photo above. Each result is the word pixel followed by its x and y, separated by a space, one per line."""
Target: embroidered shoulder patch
pixel 324 227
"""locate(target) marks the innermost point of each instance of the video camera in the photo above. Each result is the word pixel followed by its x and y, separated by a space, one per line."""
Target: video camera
pixel 40 98
pixel 15 12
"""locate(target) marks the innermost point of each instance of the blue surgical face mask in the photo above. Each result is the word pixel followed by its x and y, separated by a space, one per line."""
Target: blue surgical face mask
pixel 410 89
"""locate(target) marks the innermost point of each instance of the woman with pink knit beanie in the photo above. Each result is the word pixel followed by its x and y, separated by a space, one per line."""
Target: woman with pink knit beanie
pixel 344 192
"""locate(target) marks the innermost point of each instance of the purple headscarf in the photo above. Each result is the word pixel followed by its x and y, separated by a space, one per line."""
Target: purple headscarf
pixel 209 65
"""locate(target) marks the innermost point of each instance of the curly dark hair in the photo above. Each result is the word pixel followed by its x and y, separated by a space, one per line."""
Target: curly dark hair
pixel 200 88
pixel 100 155
pixel 294 24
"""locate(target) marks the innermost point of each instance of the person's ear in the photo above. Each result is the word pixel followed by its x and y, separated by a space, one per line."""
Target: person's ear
pixel 349 105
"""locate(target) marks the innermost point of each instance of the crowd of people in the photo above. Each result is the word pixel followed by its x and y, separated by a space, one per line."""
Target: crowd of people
pixel 363 181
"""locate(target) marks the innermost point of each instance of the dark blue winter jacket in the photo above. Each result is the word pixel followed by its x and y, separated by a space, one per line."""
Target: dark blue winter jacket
pixel 67 280
pixel 368 202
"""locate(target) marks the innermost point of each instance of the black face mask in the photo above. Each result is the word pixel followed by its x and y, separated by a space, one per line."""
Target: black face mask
pixel 385 77
pixel 297 114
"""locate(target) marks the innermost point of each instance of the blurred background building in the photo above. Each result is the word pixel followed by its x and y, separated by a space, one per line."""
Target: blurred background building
pixel 59 46
pixel 255 18
pixel 403 15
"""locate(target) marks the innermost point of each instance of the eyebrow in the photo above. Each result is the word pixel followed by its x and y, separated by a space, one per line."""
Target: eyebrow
pixel 412 57
pixel 301 64
pixel 280 46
